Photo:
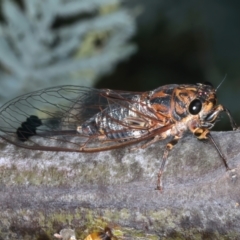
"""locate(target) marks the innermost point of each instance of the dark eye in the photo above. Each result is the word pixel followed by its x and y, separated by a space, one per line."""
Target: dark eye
pixel 195 107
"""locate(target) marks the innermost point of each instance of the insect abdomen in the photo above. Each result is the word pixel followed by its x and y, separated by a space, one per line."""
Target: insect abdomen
pixel 118 121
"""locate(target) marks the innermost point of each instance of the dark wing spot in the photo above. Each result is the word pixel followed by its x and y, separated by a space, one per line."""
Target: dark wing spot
pixel 28 128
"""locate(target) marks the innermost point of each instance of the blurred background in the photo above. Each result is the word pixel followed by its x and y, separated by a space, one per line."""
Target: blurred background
pixel 132 45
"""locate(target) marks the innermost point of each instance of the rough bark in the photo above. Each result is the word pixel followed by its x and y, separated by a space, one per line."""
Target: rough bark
pixel 43 192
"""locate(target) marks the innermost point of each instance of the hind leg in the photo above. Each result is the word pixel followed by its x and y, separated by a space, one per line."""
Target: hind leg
pixel 168 148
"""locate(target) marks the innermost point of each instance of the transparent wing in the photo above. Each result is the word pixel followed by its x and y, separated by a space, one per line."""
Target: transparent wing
pixel 48 119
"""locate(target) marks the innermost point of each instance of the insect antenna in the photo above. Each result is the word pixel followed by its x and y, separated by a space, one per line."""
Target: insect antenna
pixel 221 82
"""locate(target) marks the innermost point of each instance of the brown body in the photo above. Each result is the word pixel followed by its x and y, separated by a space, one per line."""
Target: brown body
pixel 78 119
pixel 172 105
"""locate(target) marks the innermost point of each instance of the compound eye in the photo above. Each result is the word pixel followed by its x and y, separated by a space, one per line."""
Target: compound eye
pixel 195 107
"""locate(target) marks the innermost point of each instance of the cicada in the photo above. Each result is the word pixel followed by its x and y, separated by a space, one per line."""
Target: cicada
pixel 80 119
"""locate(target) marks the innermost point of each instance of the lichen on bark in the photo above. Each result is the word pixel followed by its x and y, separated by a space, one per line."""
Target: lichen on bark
pixel 42 192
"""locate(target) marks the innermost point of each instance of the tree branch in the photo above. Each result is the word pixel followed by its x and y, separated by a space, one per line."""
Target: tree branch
pixel 41 192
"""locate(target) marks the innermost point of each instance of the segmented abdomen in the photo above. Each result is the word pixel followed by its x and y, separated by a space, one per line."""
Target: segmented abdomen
pixel 121 121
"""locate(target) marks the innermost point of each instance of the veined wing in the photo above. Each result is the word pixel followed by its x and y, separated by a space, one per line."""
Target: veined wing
pixel 50 119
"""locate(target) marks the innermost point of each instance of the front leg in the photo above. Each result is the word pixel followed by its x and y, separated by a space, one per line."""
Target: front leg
pixel 233 123
pixel 168 147
pixel 201 134
pixel 211 119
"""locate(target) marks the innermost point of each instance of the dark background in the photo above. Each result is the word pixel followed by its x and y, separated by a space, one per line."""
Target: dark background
pixel 184 42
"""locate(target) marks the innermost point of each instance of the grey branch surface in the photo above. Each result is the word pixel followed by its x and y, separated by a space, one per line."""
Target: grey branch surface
pixel 41 192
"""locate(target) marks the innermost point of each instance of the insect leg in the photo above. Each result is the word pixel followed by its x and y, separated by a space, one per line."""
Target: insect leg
pixel 212 117
pixel 169 147
pixel 219 151
pixel 233 123
pixel 205 134
pixel 155 139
